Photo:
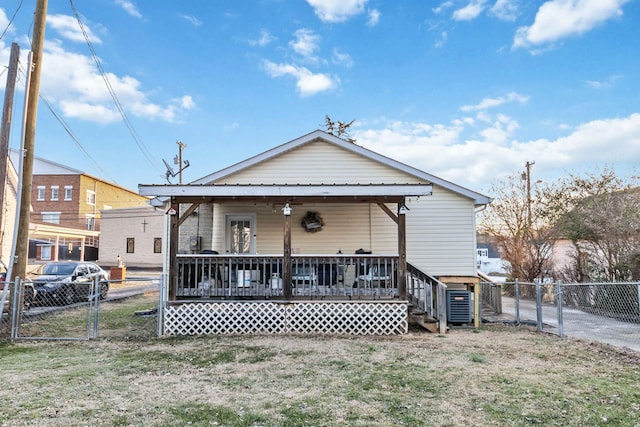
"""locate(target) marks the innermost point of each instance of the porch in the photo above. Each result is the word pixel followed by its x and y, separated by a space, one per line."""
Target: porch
pixel 355 294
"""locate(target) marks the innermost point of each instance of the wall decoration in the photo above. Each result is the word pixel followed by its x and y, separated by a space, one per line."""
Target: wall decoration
pixel 312 222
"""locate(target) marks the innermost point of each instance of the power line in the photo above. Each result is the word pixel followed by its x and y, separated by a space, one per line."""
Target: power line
pixel 145 151
pixel 11 20
pixel 67 129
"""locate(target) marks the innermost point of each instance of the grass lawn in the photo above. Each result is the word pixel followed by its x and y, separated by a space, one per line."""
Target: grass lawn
pixel 496 376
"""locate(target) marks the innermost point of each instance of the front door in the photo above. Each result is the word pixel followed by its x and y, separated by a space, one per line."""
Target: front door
pixel 240 235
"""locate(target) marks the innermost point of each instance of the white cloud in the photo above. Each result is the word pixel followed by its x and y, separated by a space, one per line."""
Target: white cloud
pixel 129 7
pixel 604 84
pixel 374 17
pixel 444 6
pixel 307 83
pixel 4 23
pixel 306 43
pixel 337 10
pixel 505 10
pixel 342 58
pixel 69 28
pixel 558 19
pixel 73 83
pixel 470 11
pixel 186 102
pixel 264 39
pixel 444 151
pixel 487 103
pixel 442 40
pixel 192 20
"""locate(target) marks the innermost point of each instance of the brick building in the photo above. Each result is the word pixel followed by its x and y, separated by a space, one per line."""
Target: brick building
pixel 65 206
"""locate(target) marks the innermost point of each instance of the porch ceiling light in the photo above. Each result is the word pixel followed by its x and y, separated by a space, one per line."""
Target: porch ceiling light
pixel 403 209
pixel 286 210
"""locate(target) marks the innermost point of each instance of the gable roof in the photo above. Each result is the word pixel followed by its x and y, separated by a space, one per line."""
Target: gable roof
pixel 316 135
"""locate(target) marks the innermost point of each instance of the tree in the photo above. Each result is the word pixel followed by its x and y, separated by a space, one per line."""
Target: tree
pixel 604 229
pixel 599 213
pixel 339 129
pixel 515 224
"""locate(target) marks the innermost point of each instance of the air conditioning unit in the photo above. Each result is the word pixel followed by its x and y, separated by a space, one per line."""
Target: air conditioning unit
pixel 459 307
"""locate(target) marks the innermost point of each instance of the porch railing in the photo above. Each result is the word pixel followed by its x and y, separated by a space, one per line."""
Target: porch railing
pixel 312 276
pixel 428 294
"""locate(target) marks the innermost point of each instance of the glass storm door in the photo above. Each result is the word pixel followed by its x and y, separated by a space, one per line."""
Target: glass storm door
pixel 240 234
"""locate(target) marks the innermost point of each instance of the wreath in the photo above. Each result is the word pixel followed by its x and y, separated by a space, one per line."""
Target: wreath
pixel 312 222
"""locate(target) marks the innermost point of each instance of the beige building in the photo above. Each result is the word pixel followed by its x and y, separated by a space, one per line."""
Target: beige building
pixel 132 235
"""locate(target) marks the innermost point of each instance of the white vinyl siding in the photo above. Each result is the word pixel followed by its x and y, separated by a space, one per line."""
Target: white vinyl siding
pixel 320 163
pixel 441 234
pixel 440 228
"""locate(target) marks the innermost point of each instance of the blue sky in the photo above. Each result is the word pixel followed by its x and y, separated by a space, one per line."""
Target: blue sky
pixel 468 90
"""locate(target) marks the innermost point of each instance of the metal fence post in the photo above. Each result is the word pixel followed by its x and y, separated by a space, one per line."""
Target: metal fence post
pixel 538 306
pixel 559 302
pixel 15 312
pixel 161 305
pixel 96 305
pixel 517 284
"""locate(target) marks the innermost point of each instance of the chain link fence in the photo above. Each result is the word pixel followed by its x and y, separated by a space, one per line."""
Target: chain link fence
pixel 122 309
pixel 603 312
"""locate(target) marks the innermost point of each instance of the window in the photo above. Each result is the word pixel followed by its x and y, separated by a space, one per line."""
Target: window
pixel 131 245
pixel 45 253
pixel 68 191
pixel 51 217
pixel 483 253
pixel 157 245
pixel 91 197
pixel 90 222
pixel 54 192
pixel 41 189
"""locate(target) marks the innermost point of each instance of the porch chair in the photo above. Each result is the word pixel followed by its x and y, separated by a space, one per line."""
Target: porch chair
pixel 304 274
pixel 378 274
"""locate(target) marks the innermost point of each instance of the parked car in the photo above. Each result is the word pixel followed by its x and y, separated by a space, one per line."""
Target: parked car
pixel 29 291
pixel 65 282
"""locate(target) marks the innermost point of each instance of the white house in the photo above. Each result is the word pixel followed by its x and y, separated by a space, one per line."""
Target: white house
pixel 369 213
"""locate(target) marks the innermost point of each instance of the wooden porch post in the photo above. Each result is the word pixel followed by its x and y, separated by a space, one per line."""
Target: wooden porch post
pixel 402 252
pixel 173 250
pixel 286 262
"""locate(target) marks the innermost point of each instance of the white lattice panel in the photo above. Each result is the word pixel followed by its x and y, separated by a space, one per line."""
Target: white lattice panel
pixel 224 318
pixel 344 318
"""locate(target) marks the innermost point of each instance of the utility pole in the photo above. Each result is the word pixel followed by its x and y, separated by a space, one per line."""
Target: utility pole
pixel 22 244
pixel 528 178
pixel 5 129
pixel 181 145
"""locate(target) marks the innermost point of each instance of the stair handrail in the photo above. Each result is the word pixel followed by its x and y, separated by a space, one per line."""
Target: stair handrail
pixel 423 296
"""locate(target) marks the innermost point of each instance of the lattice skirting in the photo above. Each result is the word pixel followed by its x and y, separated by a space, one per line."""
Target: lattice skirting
pixel 344 318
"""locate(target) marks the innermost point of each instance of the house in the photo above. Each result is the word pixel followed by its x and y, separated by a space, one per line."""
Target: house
pixel 65 210
pixel 133 236
pixel 489 262
pixel 8 209
pixel 319 234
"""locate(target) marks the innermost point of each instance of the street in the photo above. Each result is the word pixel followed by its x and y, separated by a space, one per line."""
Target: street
pixel 578 324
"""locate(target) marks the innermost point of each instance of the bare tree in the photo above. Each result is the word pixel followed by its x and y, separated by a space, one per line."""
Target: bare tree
pixel 513 222
pixel 338 128
pixel 599 213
